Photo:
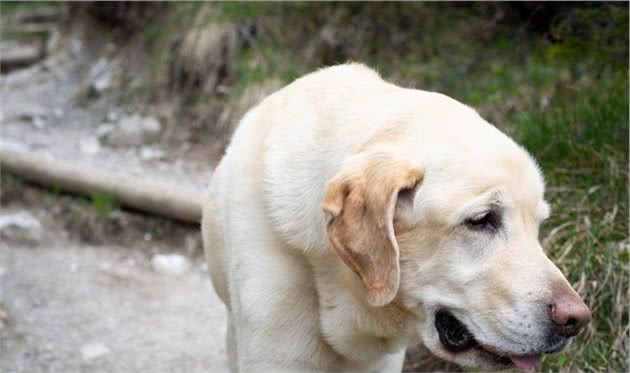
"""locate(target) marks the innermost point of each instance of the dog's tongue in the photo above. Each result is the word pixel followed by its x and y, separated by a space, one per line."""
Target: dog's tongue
pixel 526 363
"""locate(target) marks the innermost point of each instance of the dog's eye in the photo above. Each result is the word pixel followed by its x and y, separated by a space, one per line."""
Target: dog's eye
pixel 488 221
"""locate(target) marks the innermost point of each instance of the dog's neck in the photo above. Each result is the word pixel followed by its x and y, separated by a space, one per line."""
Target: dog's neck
pixel 352 327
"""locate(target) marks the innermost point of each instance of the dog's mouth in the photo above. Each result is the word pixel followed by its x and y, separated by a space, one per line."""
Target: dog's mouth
pixel 455 337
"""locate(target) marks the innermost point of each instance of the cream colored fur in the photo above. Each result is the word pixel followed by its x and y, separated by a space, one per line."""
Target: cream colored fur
pixel 286 187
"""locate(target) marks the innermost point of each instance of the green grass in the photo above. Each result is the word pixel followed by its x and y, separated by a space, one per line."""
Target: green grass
pixel 565 98
pixel 582 145
pixel 103 203
pixel 565 101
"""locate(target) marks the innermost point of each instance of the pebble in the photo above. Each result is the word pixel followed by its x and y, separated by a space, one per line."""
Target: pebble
pixel 94 350
pixel 39 122
pixel 90 146
pixel 170 264
pixel 102 83
pixel 32 111
pixel 20 226
pixel 148 153
pixel 203 267
pixel 132 131
pixel 58 112
pixel 113 116
pixel 73 267
pixel 104 129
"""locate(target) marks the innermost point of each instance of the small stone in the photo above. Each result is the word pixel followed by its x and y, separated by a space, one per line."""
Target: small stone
pixel 151 125
pixel 58 112
pixel 148 153
pixel 104 130
pixel 20 227
pixel 170 264
pixel 32 112
pixel 90 146
pixel 100 76
pixel 133 130
pixel 102 83
pixel 39 122
pixel 203 267
pixel 94 350
pixel 98 68
pixel 618 245
pixel 113 116
pixel 73 267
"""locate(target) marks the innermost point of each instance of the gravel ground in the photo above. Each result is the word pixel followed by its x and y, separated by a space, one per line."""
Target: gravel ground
pixel 78 308
pixel 82 296
pixel 79 291
pixel 42 112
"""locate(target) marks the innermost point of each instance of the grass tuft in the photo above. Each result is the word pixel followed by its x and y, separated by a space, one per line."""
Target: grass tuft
pixel 582 144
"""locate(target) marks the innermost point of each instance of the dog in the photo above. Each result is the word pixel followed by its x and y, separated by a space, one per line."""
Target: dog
pixel 350 218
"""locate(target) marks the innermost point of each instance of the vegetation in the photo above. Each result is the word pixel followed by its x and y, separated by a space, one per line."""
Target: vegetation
pixel 560 88
pixel 553 76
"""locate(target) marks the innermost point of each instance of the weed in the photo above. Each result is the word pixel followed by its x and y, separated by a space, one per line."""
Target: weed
pixel 104 204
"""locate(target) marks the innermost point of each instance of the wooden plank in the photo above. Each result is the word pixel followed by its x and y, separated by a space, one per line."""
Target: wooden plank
pixel 179 201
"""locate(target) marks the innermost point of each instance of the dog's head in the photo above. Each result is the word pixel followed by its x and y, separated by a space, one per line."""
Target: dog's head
pixel 452 237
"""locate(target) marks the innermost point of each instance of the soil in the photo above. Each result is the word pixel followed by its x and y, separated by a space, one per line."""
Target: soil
pixel 84 296
pixel 66 294
pixel 44 110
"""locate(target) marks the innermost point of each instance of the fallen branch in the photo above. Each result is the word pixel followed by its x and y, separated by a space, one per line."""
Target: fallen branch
pixel 32 28
pixel 19 57
pixel 45 15
pixel 154 196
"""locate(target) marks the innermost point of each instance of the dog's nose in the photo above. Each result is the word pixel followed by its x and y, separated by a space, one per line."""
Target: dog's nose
pixel 569 314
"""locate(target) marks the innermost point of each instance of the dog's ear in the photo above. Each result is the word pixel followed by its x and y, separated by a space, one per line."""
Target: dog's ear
pixel 360 202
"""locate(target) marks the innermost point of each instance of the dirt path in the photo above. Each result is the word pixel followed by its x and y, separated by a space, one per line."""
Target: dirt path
pixel 79 308
pixel 85 298
pixel 42 112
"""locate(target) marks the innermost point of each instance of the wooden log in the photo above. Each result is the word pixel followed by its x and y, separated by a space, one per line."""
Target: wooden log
pixel 32 28
pixel 45 15
pixel 17 57
pixel 154 196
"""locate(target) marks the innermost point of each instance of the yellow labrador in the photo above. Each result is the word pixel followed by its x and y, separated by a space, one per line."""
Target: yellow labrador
pixel 351 218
